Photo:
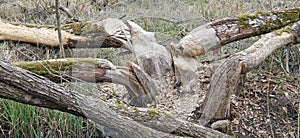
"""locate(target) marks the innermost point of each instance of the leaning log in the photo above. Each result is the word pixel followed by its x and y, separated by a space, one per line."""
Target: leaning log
pixel 229 73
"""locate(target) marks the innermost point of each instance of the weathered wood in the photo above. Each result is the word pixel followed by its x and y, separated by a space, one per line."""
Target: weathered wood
pixel 228 75
pixel 40 36
pixel 166 122
pixel 150 88
pixel 153 60
pixel 96 71
pixel 95 34
pixel 152 57
pixel 144 77
pixel 264 47
pixel 216 34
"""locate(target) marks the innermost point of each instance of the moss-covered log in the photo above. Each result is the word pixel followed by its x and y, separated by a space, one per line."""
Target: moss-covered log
pixel 214 35
pixel 84 69
pixel 97 71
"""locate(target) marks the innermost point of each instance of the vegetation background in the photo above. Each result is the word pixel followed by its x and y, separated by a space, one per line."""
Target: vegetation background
pixel 171 19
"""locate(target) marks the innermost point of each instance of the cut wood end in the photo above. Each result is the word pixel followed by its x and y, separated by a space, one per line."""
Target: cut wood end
pixel 191 49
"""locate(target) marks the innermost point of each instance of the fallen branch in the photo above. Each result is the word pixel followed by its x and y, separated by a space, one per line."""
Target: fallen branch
pixel 216 34
pixel 95 34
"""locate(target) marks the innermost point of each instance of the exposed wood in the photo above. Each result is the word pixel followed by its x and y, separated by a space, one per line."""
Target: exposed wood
pixel 94 71
pixel 150 88
pixel 93 33
pixel 153 60
pixel 186 68
pixel 216 34
pixel 228 75
pixel 152 57
pixel 41 36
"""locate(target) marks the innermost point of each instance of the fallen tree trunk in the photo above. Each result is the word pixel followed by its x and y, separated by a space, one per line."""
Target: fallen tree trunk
pixel 23 86
pixel 36 90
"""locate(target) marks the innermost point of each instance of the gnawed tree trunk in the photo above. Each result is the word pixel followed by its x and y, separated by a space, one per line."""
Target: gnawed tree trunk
pixel 229 74
pixel 214 35
pixel 147 77
pixel 97 71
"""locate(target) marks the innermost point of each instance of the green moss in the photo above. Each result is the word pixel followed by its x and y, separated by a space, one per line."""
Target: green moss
pixel 136 110
pixel 154 112
pixel 168 115
pixel 45 68
pixel 270 20
pixel 280 31
pixel 50 67
pixel 244 21
pixel 82 28
pixel 122 106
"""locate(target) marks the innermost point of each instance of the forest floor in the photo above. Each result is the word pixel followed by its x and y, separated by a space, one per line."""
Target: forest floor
pixel 267 105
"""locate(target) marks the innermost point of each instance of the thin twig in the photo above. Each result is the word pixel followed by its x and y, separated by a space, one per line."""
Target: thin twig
pixel 61 47
pixel 287 58
pixel 268 103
